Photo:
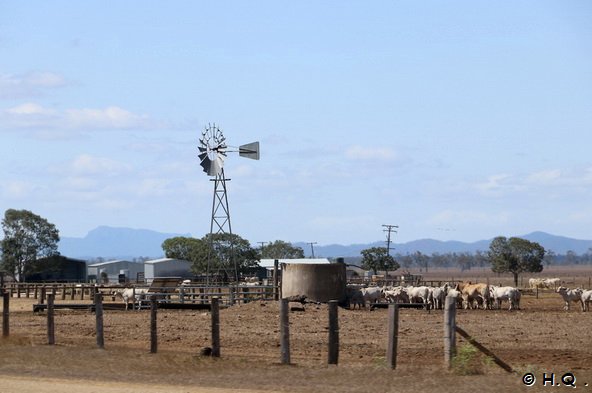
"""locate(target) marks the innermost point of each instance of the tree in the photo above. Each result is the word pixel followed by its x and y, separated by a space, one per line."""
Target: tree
pixel 515 255
pixel 281 250
pixel 549 258
pixel 421 260
pixel 27 237
pixel 181 247
pixel 377 258
pixel 226 249
pixel 223 249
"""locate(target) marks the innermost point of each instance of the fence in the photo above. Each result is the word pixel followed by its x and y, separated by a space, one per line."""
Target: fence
pixel 227 295
pixel 450 329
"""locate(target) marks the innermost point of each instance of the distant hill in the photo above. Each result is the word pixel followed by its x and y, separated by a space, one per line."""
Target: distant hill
pixel 559 244
pixel 127 243
pixel 120 243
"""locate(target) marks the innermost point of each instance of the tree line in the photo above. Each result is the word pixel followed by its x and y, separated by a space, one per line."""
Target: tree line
pixel 29 238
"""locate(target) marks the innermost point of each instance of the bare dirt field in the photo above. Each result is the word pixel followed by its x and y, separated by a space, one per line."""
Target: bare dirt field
pixel 539 338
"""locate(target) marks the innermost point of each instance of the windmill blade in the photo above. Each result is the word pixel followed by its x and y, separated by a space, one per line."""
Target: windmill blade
pixel 205 162
pixel 250 150
pixel 215 166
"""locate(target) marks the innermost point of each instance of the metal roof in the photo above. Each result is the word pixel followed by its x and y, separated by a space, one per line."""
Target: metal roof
pixel 268 263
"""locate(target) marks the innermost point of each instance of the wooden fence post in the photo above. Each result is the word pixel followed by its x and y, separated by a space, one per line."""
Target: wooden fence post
pixel 5 314
pixel 82 292
pixel 18 291
pixel 42 298
pixel 393 335
pixel 333 357
pixel 215 309
pixel 99 320
pixel 72 292
pixel 50 320
pixel 35 294
pixel 276 291
pixel 63 292
pixel 449 330
pixel 153 330
pixel 284 332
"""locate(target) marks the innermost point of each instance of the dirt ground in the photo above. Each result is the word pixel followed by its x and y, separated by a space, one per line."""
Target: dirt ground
pixel 539 338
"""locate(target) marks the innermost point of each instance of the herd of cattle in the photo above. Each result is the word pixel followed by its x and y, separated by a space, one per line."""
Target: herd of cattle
pixel 465 294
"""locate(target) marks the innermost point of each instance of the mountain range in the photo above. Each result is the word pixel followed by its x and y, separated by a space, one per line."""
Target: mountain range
pixel 128 243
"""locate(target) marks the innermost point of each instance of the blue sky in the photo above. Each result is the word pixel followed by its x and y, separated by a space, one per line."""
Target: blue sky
pixel 453 120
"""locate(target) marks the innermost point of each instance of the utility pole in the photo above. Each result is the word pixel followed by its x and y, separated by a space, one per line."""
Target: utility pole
pixel 388 230
pixel 312 248
pixel 262 245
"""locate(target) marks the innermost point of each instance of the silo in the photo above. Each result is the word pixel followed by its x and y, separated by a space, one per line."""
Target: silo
pixel 318 282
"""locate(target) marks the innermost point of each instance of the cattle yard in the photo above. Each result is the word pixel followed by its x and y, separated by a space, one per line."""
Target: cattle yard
pixel 539 337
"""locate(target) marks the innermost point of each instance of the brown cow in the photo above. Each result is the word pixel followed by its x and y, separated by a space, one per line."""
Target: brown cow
pixel 473 293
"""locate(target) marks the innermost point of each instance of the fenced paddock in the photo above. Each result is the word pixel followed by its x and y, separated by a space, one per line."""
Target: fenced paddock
pixel 541 336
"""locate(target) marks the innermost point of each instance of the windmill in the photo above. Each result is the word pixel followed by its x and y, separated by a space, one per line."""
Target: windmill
pixel 213 150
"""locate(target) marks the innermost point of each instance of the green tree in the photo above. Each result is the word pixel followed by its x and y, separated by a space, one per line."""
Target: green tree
pixel 281 250
pixel 27 237
pixel 515 255
pixel 549 258
pixel 421 260
pixel 223 249
pixel 377 258
pixel 181 247
pixel 227 248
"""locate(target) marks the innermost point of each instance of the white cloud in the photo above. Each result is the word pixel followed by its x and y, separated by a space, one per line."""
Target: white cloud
pixel 17 189
pixel 28 85
pixel 34 116
pixel 112 117
pixel 494 183
pixel 370 153
pixel 90 165
pixel 548 177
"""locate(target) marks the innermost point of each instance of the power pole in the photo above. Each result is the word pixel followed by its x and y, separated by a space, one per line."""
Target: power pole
pixel 388 230
pixel 262 245
pixel 312 248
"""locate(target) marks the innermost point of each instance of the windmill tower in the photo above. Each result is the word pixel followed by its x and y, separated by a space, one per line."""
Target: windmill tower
pixel 213 150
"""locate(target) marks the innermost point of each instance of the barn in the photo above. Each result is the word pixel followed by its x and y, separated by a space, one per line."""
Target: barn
pixel 166 267
pixel 109 271
pixel 58 269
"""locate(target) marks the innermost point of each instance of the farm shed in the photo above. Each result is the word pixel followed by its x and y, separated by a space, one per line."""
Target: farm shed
pixel 113 269
pixel 58 268
pixel 167 267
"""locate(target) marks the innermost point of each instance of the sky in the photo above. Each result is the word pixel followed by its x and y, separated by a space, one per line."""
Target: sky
pixel 452 120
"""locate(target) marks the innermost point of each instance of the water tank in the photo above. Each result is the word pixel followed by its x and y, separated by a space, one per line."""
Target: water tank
pixel 319 282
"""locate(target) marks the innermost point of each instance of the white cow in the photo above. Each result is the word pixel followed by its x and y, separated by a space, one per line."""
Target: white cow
pixel 586 299
pixel 571 295
pixel 396 295
pixel 371 295
pixel 131 295
pixel 419 295
pixel 510 294
pixel 551 282
pixel 535 283
pixel 438 296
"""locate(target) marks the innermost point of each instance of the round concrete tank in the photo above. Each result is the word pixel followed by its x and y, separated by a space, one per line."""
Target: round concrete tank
pixel 319 282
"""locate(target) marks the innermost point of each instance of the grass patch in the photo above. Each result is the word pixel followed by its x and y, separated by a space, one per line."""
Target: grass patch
pixel 469 361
